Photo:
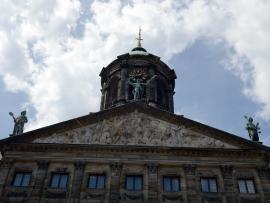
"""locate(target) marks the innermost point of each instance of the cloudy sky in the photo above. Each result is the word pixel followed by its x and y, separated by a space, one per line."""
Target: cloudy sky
pixel 51 53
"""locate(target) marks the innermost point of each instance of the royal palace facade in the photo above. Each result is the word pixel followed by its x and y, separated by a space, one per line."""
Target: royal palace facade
pixel 135 149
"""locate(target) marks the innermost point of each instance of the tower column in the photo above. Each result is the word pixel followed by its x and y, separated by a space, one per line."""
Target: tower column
pixel 122 85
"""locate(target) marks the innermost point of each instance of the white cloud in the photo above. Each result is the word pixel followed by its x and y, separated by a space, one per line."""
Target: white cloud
pixel 40 55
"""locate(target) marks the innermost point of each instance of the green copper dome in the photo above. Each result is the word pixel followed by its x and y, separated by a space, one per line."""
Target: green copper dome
pixel 139 49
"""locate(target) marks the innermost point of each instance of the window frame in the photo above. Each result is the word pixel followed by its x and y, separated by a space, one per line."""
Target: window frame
pixel 246 187
pixel 22 180
pixel 59 180
pixel 133 181
pixel 96 184
pixel 208 184
pixel 171 183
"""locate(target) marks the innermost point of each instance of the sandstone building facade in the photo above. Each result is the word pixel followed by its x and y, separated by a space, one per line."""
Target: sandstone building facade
pixel 135 149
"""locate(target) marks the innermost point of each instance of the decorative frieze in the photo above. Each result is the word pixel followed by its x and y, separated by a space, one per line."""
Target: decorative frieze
pixel 135 129
pixel 116 168
pixel 263 172
pixel 227 171
pixel 43 164
pixel 190 169
pixel 79 165
pixel 152 167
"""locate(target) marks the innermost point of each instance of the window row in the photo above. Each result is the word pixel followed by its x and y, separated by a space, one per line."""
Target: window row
pixel 133 182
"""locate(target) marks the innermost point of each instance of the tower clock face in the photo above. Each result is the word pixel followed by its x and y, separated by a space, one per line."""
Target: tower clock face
pixel 138 74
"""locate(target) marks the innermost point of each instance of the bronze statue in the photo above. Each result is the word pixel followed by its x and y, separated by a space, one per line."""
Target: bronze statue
pixel 253 130
pixel 138 88
pixel 19 123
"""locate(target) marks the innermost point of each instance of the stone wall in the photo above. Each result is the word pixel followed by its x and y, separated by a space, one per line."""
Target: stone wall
pixel 115 168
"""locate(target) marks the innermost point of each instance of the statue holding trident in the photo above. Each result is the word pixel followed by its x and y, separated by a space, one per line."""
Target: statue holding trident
pixel 138 88
pixel 18 123
pixel 253 130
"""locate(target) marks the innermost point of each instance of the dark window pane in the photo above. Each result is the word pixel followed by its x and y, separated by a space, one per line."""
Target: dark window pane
pixel 213 185
pixel 92 182
pixel 138 183
pixel 129 183
pixel 26 179
pixel 101 182
pixel 63 181
pixel 166 184
pixel 204 184
pixel 242 186
pixel 250 186
pixel 175 184
pixel 55 180
pixel 18 179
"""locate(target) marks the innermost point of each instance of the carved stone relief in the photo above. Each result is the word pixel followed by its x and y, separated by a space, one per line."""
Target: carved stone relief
pixel 135 129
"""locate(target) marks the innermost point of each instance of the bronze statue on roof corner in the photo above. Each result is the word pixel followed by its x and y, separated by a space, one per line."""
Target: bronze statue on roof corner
pixel 18 123
pixel 253 130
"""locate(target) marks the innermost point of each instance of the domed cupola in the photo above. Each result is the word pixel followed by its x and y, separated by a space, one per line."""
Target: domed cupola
pixel 138 76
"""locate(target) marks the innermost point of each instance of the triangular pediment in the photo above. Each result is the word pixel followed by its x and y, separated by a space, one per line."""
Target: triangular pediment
pixel 135 129
pixel 135 125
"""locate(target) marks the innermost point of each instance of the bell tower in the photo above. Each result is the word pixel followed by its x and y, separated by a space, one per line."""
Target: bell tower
pixel 138 76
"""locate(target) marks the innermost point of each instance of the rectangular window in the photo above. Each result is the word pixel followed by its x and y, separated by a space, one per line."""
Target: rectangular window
pixel 59 180
pixel 134 182
pixel 171 184
pixel 96 182
pixel 22 179
pixel 246 186
pixel 209 184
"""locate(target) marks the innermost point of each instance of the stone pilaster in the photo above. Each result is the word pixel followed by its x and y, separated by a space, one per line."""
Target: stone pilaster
pixel 78 174
pixel 152 182
pixel 229 186
pixel 40 179
pixel 5 165
pixel 264 175
pixel 192 191
pixel 122 86
pixel 116 169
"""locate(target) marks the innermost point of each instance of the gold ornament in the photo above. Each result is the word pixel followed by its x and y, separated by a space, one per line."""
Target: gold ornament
pixel 138 74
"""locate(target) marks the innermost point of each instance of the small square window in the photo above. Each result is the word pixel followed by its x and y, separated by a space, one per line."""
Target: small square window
pixel 246 186
pixel 96 182
pixel 22 179
pixel 209 185
pixel 134 182
pixel 171 184
pixel 59 180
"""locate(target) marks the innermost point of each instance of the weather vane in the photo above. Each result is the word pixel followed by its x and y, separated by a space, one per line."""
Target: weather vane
pixel 139 38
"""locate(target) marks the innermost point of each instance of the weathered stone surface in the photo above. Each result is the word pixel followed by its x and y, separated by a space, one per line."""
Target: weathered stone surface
pixel 135 129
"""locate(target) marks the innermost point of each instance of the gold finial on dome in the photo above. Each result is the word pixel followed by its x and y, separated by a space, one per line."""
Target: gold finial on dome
pixel 139 38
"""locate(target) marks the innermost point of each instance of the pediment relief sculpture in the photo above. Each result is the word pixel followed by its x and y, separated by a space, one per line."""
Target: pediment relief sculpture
pixel 135 129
